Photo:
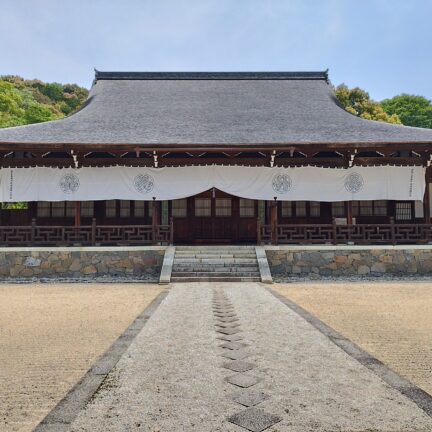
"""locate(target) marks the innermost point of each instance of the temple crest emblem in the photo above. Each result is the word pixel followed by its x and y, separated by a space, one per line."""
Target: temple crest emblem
pixel 143 183
pixel 69 183
pixel 354 182
pixel 281 183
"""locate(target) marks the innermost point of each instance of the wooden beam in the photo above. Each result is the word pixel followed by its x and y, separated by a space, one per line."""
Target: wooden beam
pixel 426 200
pixel 348 212
pixel 218 147
pixel 77 213
pixel 274 221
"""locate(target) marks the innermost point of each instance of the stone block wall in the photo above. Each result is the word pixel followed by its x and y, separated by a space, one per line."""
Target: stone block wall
pixel 346 261
pixel 143 262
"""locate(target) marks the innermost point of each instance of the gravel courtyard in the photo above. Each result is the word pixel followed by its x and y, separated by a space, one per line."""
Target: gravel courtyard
pixel 231 357
pixel 392 321
pixel 51 334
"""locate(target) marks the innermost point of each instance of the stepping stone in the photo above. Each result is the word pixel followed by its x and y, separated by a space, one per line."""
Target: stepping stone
pixel 227 325
pixel 227 320
pixel 234 337
pixel 233 345
pixel 238 366
pixel 254 419
pixel 235 355
pixel 228 331
pixel 250 398
pixel 243 380
pixel 225 315
pixel 224 312
pixel 227 309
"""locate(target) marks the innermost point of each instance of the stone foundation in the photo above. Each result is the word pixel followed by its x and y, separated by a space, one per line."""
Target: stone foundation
pixel 349 260
pixel 78 262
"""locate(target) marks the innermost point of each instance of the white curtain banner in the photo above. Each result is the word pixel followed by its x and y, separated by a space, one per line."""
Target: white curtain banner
pixel 260 183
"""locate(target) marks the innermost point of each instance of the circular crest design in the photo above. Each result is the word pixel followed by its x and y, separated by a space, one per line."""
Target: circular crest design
pixel 354 182
pixel 143 183
pixel 69 183
pixel 281 183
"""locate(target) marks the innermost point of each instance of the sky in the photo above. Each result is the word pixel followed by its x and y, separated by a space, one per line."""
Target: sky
pixel 383 46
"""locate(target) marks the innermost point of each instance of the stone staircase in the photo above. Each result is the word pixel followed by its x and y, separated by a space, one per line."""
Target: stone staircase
pixel 215 264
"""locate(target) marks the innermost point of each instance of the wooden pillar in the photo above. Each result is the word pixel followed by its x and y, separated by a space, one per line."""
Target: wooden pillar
pixel 155 218
pixel 274 221
pixel 348 212
pixel 426 199
pixel 77 213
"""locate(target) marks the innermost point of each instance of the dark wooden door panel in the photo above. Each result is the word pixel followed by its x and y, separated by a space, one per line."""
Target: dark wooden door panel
pixel 247 229
pixel 213 217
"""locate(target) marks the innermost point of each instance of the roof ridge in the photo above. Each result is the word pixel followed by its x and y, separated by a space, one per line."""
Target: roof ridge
pixel 299 75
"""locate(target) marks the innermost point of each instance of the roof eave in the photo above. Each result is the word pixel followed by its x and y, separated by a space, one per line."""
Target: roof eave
pixel 215 147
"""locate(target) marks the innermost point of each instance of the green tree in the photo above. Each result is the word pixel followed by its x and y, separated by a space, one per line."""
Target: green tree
pixel 11 111
pixel 412 110
pixel 33 101
pixel 358 102
pixel 37 113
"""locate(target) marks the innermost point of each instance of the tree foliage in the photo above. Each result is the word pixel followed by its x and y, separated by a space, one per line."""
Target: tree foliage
pixel 412 110
pixel 358 102
pixel 33 101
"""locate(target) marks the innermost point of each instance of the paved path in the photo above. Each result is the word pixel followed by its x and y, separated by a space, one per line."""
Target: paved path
pixel 172 376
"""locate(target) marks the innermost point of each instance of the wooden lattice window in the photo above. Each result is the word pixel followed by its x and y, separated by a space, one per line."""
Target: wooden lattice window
pixel 179 208
pixel 300 208
pixel 43 209
pixel 125 208
pixel 370 208
pixel 223 207
pixel 380 208
pixel 87 208
pixel 70 209
pixel 203 207
pixel 139 209
pixel 404 210
pixel 338 209
pixel 315 209
pixel 247 208
pixel 111 208
pixel 287 209
pixel 57 209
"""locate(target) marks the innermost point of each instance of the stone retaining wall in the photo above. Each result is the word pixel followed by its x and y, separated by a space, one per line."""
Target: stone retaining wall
pixel 350 261
pixel 78 262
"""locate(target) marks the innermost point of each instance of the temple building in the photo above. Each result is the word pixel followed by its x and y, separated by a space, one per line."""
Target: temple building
pixel 235 158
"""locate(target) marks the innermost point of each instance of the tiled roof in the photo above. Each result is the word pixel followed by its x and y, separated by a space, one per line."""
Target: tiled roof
pixel 221 108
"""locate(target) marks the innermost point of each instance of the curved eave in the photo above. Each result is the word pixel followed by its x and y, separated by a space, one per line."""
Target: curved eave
pixel 215 147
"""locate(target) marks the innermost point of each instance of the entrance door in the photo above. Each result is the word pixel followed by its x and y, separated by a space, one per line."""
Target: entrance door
pixel 214 217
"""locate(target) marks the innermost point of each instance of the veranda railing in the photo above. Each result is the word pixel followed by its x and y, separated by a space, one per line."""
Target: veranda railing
pixel 86 235
pixel 362 234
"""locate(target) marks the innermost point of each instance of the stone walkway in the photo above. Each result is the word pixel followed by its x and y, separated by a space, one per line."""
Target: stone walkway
pixel 232 357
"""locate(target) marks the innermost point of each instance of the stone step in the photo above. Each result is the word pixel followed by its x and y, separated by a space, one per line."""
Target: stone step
pixel 215 264
pixel 215 274
pixel 218 255
pixel 215 260
pixel 215 279
pixel 217 269
pixel 212 248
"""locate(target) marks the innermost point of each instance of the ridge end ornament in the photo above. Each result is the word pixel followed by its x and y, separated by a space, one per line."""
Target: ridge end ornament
pixel 143 183
pixel 281 183
pixel 354 182
pixel 69 183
